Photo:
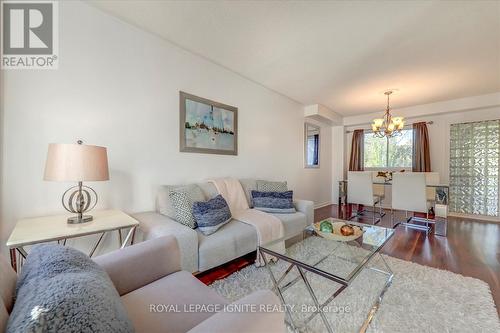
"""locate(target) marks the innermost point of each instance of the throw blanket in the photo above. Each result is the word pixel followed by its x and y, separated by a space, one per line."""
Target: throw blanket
pixel 268 227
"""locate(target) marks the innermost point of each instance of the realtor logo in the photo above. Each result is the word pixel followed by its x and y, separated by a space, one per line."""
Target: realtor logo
pixel 29 37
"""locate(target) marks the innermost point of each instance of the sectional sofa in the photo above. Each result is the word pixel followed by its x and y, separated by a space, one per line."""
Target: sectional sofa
pixel 199 252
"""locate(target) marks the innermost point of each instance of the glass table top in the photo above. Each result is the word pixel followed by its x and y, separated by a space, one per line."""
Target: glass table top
pixel 337 260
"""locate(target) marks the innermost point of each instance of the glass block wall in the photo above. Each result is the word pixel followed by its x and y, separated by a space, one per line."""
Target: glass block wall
pixel 474 167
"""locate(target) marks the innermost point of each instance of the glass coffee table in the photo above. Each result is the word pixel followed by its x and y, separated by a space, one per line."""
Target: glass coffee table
pixel 314 254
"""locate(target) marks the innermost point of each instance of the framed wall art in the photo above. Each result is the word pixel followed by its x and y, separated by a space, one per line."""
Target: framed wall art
pixel 207 126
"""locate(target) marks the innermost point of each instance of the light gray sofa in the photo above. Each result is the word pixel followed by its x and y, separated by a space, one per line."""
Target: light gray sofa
pixel 199 252
pixel 148 278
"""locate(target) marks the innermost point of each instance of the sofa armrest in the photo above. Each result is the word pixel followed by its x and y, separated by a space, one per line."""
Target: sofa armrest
pixel 154 225
pixel 138 265
pixel 265 318
pixel 306 207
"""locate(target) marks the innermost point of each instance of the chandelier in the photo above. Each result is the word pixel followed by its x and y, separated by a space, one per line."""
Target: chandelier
pixel 388 126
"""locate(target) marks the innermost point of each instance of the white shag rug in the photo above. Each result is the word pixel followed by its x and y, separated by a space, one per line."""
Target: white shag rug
pixel 420 299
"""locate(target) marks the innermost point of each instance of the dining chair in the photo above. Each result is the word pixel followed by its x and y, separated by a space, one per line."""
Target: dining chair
pixel 409 194
pixel 360 192
pixel 431 178
pixel 379 189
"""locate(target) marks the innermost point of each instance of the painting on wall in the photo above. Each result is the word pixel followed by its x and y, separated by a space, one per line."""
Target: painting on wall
pixel 207 126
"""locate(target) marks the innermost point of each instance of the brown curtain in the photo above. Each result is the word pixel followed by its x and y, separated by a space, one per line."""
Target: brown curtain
pixel 356 161
pixel 421 154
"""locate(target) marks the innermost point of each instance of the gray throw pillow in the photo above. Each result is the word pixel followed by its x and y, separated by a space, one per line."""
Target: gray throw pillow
pixel 62 290
pixel 267 186
pixel 164 204
pixel 182 200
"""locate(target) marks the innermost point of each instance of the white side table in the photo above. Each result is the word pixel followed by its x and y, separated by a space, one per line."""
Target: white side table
pixel 37 230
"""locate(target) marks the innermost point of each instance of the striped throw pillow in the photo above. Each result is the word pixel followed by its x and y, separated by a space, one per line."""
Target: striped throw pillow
pixel 274 202
pixel 211 215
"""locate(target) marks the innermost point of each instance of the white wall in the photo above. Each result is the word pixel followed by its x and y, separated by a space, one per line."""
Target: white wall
pixel 118 86
pixel 317 183
pixel 338 163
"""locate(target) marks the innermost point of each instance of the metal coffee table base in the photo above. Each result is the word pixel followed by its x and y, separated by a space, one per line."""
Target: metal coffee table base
pixel 318 307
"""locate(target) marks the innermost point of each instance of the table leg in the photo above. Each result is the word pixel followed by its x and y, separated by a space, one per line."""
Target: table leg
pixel 328 301
pixel 319 309
pixel 278 290
pixel 376 306
pixel 17 261
pixel 22 252
pixel 339 208
pixel 13 259
pixel 129 236
pixel 96 245
pixel 342 201
pixel 133 237
pixel 120 240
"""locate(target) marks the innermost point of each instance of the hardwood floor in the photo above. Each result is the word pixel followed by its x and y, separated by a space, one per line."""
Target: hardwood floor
pixel 471 248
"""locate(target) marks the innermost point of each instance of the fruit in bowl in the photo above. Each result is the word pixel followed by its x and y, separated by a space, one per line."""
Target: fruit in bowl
pixel 347 230
pixel 337 230
pixel 326 226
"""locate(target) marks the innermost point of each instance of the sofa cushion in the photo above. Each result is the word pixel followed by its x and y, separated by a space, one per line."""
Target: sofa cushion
pixel 267 186
pixel 7 284
pixel 211 215
pixel 249 185
pixel 62 290
pixel 164 204
pixel 208 190
pixel 153 308
pixel 273 202
pixel 154 225
pixel 233 240
pixel 293 224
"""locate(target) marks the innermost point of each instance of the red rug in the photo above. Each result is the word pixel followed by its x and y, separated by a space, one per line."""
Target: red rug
pixel 223 271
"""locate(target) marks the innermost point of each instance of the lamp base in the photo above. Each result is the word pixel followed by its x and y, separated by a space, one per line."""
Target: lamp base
pixel 80 219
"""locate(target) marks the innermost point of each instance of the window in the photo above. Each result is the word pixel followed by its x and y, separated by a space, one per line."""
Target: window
pixel 474 167
pixel 395 152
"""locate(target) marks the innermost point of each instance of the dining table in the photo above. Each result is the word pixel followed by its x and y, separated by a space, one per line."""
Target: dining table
pixel 440 203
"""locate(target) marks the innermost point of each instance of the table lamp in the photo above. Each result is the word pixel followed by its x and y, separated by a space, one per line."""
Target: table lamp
pixel 78 163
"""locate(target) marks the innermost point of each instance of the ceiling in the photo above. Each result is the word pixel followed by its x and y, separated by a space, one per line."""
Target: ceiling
pixel 339 54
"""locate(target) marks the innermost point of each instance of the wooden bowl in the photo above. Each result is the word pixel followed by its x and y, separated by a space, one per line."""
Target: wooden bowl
pixel 336 234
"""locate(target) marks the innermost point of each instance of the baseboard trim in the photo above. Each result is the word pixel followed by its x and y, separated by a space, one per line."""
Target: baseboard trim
pixel 323 205
pixel 475 217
